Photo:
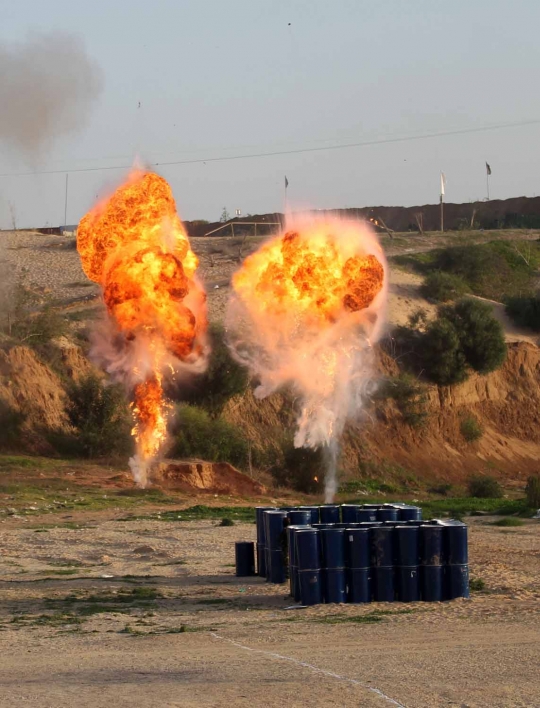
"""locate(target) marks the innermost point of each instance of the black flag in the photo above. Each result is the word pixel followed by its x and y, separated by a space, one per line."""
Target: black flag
pixel 488 169
pixel 286 182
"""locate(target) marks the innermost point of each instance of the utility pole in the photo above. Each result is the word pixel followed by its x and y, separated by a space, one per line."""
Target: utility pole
pixel 66 202
pixel 443 186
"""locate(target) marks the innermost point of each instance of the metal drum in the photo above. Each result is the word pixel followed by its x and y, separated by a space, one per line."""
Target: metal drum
pixel 299 517
pixel 387 514
pixel 335 586
pixel 363 514
pixel 431 583
pixel 406 545
pixel 245 558
pixel 455 535
pixel 357 554
pixel 408 587
pixel 333 548
pixel 431 545
pixel 329 514
pixel 359 585
pixel 383 584
pixel 457 581
pixel 310 587
pixel 314 511
pixel 308 549
pixel 382 546
pixel 348 513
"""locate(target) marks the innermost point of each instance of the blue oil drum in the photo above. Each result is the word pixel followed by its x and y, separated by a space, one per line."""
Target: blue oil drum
pixel 457 581
pixel 410 513
pixel 275 571
pixel 245 558
pixel 382 546
pixel 431 583
pixel 406 545
pixel 408 586
pixel 329 514
pixel 455 534
pixel 261 560
pixel 335 585
pixel 359 585
pixel 299 517
pixel 357 554
pixel 431 545
pixel 261 531
pixel 274 524
pixel 308 549
pixel 314 511
pixel 363 514
pixel 383 584
pixel 310 587
pixel 333 548
pixel 293 563
pixel 387 514
pixel 348 513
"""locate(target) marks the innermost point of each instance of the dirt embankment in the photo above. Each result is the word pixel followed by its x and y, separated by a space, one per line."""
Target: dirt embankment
pixel 506 403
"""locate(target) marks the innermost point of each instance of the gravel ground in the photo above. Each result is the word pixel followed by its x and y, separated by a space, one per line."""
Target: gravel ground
pixel 144 613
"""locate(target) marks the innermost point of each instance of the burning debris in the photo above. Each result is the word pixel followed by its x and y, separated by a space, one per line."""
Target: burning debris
pixel 307 307
pixel 134 245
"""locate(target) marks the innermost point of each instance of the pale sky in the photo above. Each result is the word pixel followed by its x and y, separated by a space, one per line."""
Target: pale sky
pixel 218 78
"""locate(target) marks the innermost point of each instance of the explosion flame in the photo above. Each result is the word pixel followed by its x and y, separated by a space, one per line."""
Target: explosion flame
pixel 306 310
pixel 134 245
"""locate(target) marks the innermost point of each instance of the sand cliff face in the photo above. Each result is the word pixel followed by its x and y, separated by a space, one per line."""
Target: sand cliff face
pixel 506 403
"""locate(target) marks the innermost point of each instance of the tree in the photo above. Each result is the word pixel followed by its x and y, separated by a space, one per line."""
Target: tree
pixel 481 336
pixel 441 353
pixel 224 216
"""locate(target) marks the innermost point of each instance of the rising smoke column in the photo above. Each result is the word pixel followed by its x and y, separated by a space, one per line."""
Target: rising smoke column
pixel 306 310
pixel 48 85
pixel 134 245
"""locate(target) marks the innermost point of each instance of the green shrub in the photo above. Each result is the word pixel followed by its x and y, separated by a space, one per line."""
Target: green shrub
pixel 442 287
pixel 477 584
pixel 509 521
pixel 532 491
pixel 441 489
pixel 410 397
pixel 441 355
pixel 11 422
pixel 99 415
pixel 484 487
pixel 212 439
pixel 471 429
pixel 226 522
pixel 524 311
pixel 302 469
pixel 480 335
pixel 30 318
pixel 223 379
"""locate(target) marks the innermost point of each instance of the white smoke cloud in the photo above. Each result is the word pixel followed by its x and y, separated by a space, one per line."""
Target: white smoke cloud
pixel 47 86
pixel 329 365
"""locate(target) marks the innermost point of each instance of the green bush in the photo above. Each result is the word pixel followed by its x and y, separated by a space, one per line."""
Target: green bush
pixel 441 489
pixel 484 487
pixel 11 422
pixel 509 521
pixel 223 379
pixel 524 311
pixel 471 429
pixel 441 354
pixel 302 469
pixel 99 415
pixel 481 336
pixel 211 439
pixel 226 522
pixel 442 287
pixel 532 491
pixel 477 584
pixel 30 318
pixel 410 397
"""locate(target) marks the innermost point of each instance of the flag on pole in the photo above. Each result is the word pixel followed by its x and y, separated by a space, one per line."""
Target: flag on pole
pixel 286 182
pixel 443 184
pixel 488 169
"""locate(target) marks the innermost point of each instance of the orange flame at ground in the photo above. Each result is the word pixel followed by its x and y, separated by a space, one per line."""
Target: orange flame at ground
pixel 307 307
pixel 134 245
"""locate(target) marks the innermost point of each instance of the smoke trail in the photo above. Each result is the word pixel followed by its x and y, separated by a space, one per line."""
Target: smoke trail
pixel 47 87
pixel 306 310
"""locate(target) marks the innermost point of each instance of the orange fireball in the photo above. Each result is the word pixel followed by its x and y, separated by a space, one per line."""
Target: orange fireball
pixel 134 245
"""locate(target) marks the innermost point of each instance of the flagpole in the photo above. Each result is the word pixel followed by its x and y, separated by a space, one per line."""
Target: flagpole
pixel 442 214
pixel 487 183
pixel 66 201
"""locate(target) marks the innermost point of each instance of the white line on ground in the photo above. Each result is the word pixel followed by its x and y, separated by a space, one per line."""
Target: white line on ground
pixel 316 669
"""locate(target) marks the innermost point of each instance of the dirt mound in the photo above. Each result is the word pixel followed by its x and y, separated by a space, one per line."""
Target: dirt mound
pixel 211 477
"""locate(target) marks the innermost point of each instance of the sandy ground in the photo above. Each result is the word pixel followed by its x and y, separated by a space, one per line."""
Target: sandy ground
pixel 199 636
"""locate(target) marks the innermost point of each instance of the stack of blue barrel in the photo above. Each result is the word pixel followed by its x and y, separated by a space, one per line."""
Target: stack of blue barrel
pixel 362 553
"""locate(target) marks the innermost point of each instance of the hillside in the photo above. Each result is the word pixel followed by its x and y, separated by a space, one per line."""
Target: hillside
pixel 383 444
